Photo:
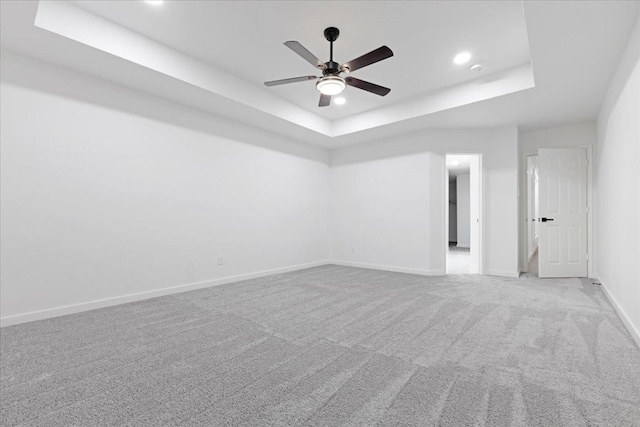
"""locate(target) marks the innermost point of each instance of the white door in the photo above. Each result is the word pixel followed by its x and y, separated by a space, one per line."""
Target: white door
pixel 562 197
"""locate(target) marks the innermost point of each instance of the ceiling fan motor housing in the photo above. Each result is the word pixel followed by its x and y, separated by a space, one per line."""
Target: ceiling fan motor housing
pixel 333 68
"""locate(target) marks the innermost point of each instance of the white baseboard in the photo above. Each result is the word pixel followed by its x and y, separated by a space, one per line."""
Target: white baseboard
pixel 503 273
pixel 635 334
pixel 108 302
pixel 390 268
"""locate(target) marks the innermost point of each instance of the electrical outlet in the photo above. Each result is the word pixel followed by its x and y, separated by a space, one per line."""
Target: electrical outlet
pixel 220 260
pixel 353 249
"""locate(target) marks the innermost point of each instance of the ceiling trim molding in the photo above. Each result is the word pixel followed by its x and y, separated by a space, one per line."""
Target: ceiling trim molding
pixel 70 21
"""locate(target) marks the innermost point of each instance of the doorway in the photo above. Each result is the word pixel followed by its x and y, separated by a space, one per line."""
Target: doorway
pixel 532 215
pixel 463 190
pixel 563 209
pixel 562 227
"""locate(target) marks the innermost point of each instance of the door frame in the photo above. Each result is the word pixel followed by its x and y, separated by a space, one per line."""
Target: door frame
pixel 523 195
pixel 529 198
pixel 481 213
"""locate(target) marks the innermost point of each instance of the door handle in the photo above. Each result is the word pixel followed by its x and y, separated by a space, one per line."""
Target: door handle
pixel 546 219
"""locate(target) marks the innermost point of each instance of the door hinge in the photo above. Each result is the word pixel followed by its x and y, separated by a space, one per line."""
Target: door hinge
pixel 587 209
pixel 587 257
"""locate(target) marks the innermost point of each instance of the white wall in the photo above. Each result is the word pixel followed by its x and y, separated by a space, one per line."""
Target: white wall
pixel 107 193
pixel 464 215
pixel 579 135
pixel 388 200
pixel 618 188
pixel 375 206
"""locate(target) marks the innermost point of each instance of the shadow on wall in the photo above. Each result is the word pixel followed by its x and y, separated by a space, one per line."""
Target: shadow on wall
pixel 623 74
pixel 426 140
pixel 64 82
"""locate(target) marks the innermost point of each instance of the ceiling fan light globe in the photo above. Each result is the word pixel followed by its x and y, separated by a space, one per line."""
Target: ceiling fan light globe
pixel 331 85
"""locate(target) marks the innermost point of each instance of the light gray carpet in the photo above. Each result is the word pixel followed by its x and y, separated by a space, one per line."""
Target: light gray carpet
pixel 332 346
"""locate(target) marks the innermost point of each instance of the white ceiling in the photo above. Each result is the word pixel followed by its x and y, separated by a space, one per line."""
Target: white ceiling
pixel 246 40
pixel 214 56
pixel 458 164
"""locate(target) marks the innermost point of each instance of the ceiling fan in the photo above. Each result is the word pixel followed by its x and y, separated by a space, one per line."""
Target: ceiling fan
pixel 331 83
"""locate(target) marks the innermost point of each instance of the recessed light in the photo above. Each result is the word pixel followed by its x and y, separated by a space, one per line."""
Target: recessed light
pixel 462 58
pixel 155 2
pixel 339 101
pixel 476 68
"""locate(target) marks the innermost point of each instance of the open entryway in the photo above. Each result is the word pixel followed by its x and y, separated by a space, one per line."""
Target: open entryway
pixel 464 199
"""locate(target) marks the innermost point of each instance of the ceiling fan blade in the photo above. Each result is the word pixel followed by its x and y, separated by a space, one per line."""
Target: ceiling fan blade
pixel 291 80
pixel 369 87
pixel 325 100
pixel 303 52
pixel 372 57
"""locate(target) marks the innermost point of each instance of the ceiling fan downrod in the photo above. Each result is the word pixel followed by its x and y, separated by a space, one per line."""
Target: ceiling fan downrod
pixel 331 34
